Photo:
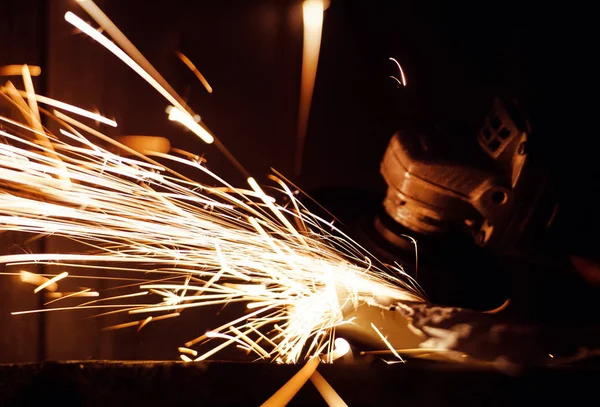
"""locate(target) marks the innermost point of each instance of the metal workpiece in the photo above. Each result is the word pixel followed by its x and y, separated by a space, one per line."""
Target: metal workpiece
pixel 458 335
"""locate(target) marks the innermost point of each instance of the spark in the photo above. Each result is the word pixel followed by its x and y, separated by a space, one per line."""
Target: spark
pixel 67 107
pixel 499 309
pixel 195 70
pixel 144 323
pixel 61 296
pixel 189 351
pixel 283 396
pixel 109 45
pixel 36 279
pixel 397 80
pixel 180 116
pixel 387 343
pixel 50 282
pixel 140 323
pixel 312 12
pixel 122 41
pixel 403 81
pixel 27 81
pixel 121 326
pixel 326 391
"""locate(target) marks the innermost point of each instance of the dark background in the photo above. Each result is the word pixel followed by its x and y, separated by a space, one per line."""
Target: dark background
pixel 456 57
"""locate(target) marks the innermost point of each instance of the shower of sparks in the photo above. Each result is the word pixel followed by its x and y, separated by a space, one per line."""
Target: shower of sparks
pixel 186 244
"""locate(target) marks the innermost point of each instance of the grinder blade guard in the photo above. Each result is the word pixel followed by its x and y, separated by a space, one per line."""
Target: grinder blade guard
pixel 499 196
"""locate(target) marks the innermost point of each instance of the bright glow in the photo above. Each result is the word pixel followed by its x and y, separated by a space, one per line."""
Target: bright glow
pixel 16 70
pixel 312 11
pixel 178 115
pixel 36 279
pixel 342 347
pixel 326 391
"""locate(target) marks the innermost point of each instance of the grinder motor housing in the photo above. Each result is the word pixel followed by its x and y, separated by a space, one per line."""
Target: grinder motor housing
pixel 501 197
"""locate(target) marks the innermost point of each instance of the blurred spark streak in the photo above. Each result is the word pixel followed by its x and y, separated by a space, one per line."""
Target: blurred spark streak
pixel 118 297
pixel 83 293
pixel 17 70
pixel 122 41
pixel 121 326
pixel 397 80
pixel 283 396
pixel 36 122
pixel 96 13
pixel 138 322
pixel 145 144
pixel 195 70
pixel 180 116
pixel 34 311
pixel 144 323
pixel 75 294
pixel 51 281
pixel 313 27
pixel 326 391
pixel 83 26
pixel 188 351
pixel 36 279
pixel 69 108
pixel 387 343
